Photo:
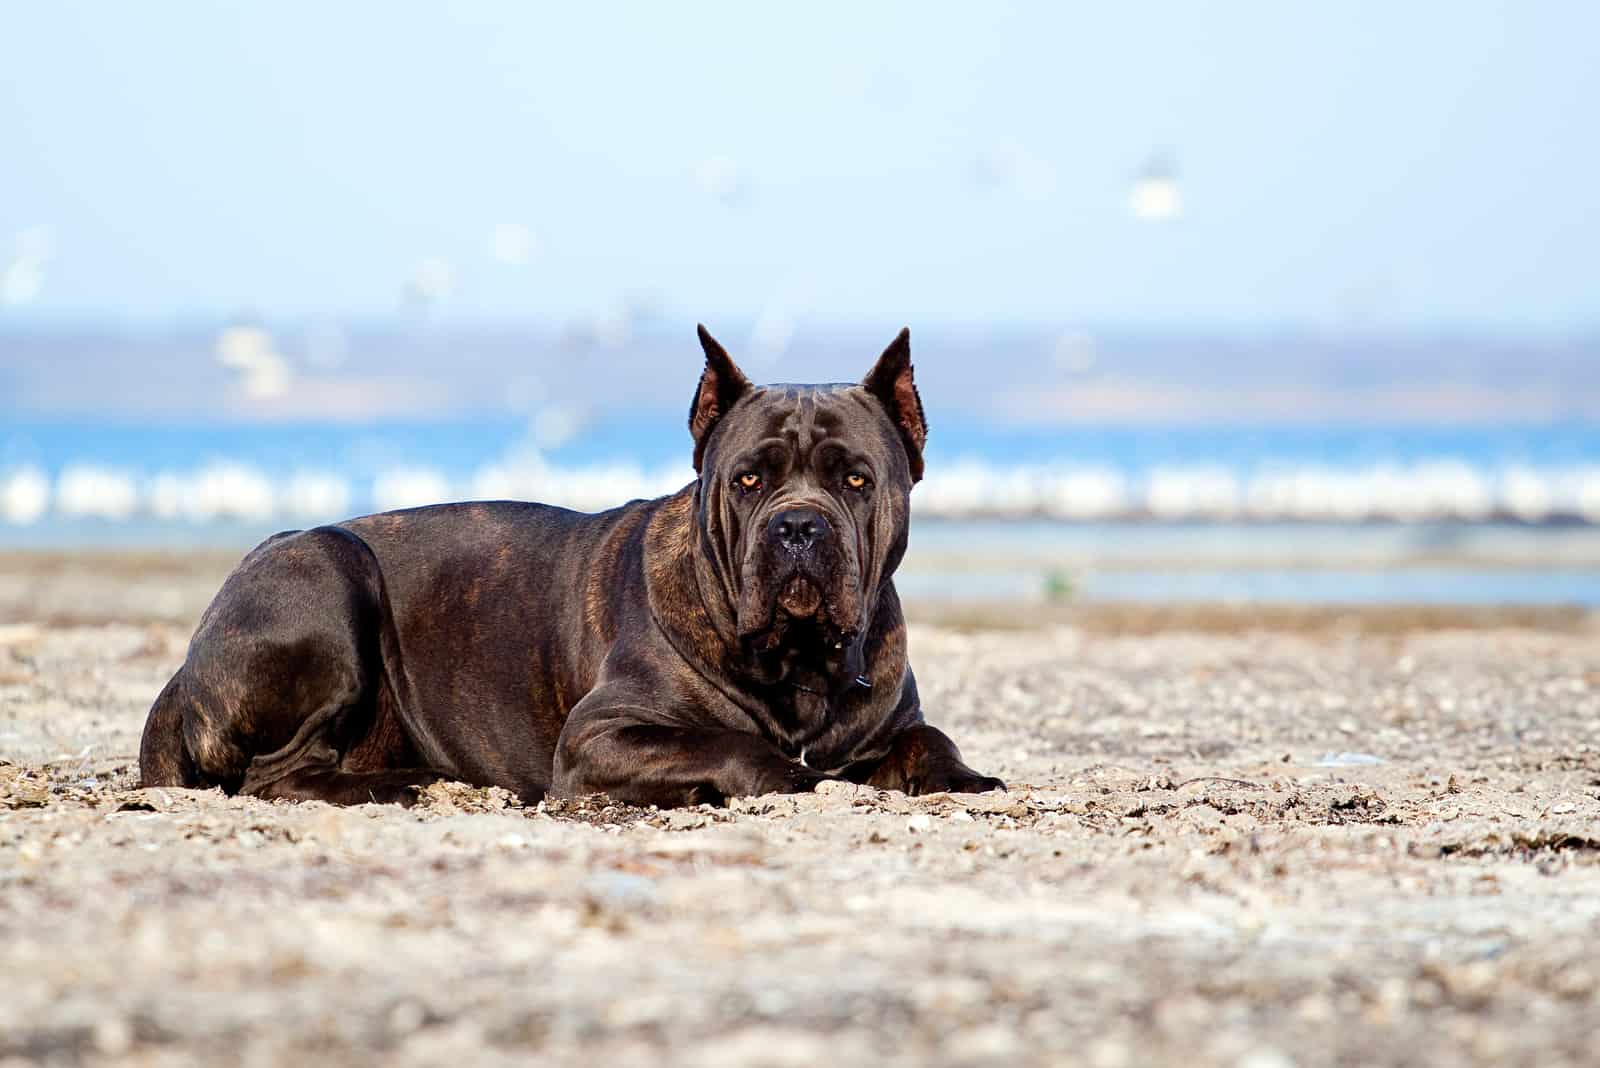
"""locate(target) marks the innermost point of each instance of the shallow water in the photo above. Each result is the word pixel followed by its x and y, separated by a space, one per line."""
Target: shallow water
pixel 1419 586
pixel 963 560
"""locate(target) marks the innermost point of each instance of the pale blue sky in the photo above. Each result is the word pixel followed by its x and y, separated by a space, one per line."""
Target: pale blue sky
pixel 1392 165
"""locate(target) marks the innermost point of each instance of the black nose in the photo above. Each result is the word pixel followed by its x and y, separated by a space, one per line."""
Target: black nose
pixel 797 529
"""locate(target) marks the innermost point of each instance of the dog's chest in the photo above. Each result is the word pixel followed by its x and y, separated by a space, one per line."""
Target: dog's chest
pixel 816 729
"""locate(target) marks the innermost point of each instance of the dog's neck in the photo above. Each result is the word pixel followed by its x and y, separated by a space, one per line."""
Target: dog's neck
pixel 687 599
pixel 693 599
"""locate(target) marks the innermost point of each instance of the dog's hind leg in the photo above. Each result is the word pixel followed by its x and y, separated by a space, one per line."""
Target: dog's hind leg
pixel 342 759
pixel 163 758
pixel 285 679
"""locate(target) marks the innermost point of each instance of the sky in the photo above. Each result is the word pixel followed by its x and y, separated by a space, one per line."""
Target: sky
pixel 1363 165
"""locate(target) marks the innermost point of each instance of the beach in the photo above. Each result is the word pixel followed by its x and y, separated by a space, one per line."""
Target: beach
pixel 1234 835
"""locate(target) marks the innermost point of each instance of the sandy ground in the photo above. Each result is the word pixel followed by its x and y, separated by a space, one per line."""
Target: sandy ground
pixel 1200 861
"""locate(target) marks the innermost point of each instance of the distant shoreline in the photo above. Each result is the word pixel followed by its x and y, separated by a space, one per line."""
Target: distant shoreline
pixel 93 587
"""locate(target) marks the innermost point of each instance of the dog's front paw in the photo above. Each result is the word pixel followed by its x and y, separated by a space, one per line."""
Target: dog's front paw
pixel 803 780
pixel 960 780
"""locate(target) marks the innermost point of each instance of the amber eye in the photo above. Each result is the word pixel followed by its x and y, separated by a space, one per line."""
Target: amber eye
pixel 749 482
pixel 856 480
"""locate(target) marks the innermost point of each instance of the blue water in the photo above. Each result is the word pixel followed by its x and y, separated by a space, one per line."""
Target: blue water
pixel 355 450
pixel 456 447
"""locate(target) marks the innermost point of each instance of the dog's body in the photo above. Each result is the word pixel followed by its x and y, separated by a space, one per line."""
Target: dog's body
pixel 739 637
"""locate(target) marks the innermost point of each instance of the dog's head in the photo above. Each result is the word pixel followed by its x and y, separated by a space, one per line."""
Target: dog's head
pixel 804 500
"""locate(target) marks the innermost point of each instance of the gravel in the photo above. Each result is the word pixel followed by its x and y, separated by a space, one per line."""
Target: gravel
pixel 1244 844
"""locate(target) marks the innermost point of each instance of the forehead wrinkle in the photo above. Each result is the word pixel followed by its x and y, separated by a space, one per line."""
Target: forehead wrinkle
pixel 801 425
pixel 800 418
pixel 808 418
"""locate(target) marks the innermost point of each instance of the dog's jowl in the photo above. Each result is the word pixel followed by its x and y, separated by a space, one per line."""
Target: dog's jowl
pixel 738 637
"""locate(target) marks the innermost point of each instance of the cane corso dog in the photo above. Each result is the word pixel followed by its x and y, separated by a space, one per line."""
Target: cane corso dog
pixel 741 636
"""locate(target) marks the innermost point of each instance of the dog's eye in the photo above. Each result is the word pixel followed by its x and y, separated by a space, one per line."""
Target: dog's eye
pixel 856 480
pixel 749 482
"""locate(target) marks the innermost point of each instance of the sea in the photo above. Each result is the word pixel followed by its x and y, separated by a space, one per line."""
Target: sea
pixel 1414 514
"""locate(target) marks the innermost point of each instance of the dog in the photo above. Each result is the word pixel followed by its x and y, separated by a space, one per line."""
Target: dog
pixel 741 636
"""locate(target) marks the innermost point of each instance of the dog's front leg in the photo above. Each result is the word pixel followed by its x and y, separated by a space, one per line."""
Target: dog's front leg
pixel 923 760
pixel 655 764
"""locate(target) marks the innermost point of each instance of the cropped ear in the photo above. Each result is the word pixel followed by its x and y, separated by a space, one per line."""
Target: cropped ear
pixel 891 382
pixel 721 386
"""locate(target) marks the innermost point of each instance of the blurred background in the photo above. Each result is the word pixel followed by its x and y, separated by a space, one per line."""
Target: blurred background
pixel 1250 302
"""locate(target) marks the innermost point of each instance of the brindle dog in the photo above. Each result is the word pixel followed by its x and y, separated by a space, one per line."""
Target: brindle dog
pixel 741 636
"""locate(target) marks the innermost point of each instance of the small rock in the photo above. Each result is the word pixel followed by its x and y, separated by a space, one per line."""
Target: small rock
pixel 406 1017
pixel 1109 1053
pixel 989 1043
pixel 1266 1058
pixel 683 819
pixel 1348 760
pixel 453 797
pixel 620 887
pixel 840 788
pixel 112 1036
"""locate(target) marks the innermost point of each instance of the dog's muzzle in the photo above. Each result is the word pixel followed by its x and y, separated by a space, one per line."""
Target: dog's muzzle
pixel 798 532
pixel 797 538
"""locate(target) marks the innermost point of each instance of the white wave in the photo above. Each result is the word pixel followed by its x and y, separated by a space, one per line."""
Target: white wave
pixel 1427 490
pixel 222 490
pixel 1089 493
pixel 1526 493
pixel 1534 494
pixel 1309 492
pixel 954 490
pixel 1450 489
pixel 1191 493
pixel 24 496
pixel 1433 489
pixel 87 491
pixel 1587 495
pixel 1441 488
pixel 320 496
pixel 974 488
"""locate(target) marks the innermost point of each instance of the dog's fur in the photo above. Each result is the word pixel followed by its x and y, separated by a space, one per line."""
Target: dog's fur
pixel 730 639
